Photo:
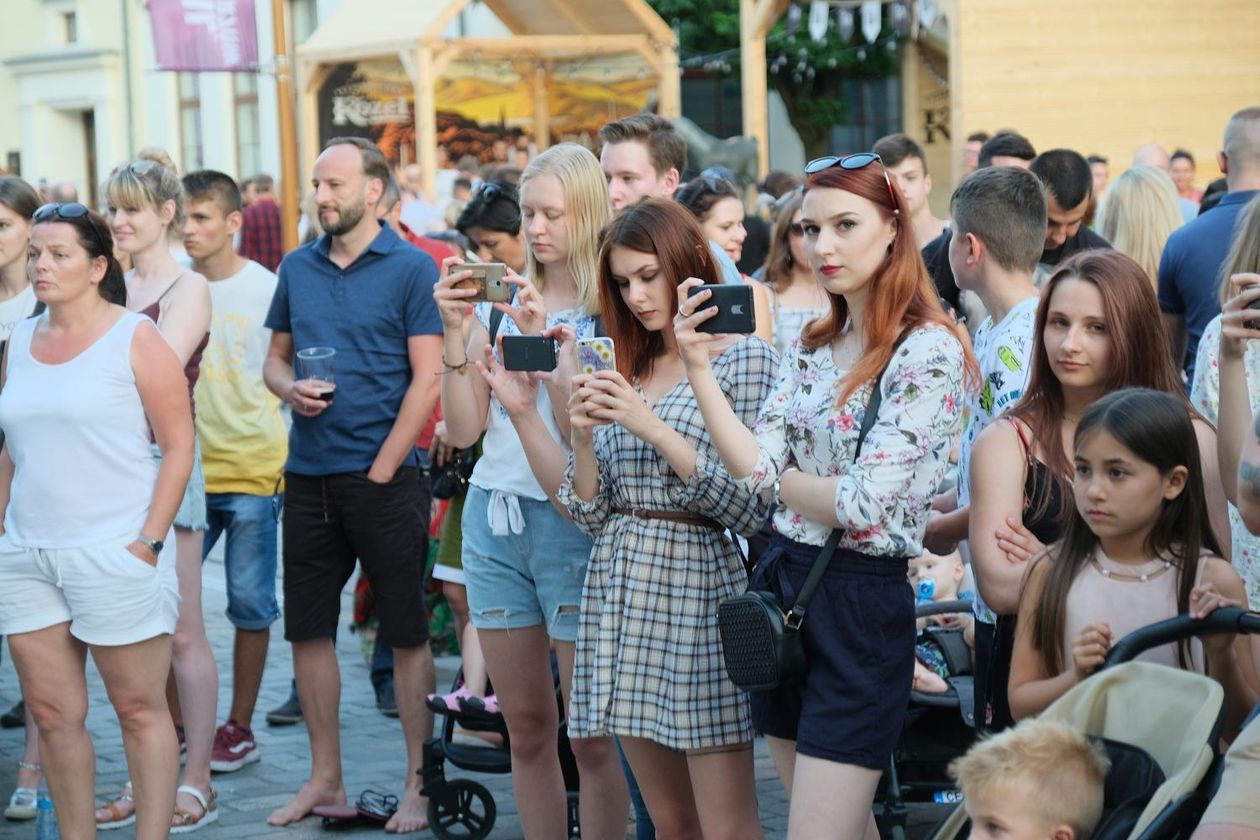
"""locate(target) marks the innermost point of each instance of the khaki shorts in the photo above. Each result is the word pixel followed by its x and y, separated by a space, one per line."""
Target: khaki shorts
pixel 1236 803
pixel 109 596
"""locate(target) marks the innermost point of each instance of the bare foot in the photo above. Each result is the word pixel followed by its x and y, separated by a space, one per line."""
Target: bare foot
pixel 311 795
pixel 412 814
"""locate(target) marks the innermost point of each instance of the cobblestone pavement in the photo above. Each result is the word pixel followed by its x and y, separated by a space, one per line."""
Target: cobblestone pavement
pixel 371 745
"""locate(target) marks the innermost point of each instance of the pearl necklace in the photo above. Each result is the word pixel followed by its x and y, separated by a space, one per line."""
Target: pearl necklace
pixel 1109 568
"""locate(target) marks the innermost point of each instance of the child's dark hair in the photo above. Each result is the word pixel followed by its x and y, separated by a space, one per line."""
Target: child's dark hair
pixel 95 238
pixel 1158 429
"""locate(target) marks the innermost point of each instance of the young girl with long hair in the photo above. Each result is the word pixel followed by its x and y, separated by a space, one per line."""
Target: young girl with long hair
pixel 645 482
pixel 1136 550
pixel 796 296
pixel 831 734
pixel 524 561
pixel 1098 331
pixel 145 199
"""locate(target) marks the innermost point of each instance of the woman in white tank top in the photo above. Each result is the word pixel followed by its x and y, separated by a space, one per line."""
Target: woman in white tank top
pixel 87 511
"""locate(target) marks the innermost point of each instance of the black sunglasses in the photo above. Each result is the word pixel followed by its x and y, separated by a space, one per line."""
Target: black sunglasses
pixel 68 212
pixel 855 161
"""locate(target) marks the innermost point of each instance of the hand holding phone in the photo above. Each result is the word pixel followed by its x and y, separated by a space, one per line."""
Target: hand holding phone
pixel 487 279
pixel 596 354
pixel 735 308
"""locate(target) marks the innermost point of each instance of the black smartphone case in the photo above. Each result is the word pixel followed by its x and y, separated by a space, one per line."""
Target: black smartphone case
pixel 529 352
pixel 735 309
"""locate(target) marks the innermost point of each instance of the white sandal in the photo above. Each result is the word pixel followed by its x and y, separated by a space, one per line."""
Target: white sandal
pixel 21 805
pixel 186 821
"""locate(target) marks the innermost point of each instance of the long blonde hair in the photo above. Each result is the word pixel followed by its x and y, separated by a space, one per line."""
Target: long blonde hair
pixel 1244 253
pixel 1137 215
pixel 149 181
pixel 586 210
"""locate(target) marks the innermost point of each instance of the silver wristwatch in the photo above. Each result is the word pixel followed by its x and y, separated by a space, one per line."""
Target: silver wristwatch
pixel 154 545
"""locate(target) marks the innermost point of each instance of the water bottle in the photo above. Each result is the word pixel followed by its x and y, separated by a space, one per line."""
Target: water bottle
pixel 927 588
pixel 45 816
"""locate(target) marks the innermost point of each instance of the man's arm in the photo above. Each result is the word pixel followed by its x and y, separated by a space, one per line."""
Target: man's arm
pixel 425 354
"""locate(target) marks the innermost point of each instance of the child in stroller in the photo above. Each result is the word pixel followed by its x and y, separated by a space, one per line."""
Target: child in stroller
pixel 936 579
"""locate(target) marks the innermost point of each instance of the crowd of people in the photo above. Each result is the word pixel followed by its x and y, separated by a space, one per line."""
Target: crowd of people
pixel 1043 403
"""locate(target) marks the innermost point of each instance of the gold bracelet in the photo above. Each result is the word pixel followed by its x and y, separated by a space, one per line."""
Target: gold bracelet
pixel 461 368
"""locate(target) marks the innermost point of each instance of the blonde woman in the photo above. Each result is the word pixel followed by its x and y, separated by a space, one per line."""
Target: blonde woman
pixel 1137 215
pixel 524 561
pixel 796 296
pixel 145 200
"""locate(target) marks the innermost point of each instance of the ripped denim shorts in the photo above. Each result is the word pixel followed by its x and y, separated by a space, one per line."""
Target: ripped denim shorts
pixel 531 572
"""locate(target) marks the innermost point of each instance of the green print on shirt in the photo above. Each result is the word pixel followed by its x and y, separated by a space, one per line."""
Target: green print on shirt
pixel 1008 357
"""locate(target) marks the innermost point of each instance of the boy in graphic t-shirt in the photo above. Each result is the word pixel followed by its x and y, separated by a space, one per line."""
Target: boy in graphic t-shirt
pixel 998 218
pixel 244 443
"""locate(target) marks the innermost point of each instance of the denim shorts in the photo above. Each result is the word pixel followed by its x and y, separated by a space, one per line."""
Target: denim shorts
pixel 192 508
pixel 859 655
pixel 526 579
pixel 249 556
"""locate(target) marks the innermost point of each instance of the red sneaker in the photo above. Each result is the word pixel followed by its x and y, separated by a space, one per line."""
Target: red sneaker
pixel 234 747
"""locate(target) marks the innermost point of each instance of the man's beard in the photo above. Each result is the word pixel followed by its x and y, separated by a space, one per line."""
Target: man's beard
pixel 347 218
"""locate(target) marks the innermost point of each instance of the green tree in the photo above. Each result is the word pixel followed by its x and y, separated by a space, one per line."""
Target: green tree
pixel 807 74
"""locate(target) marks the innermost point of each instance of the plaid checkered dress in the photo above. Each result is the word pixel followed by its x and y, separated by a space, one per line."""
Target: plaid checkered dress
pixel 649 660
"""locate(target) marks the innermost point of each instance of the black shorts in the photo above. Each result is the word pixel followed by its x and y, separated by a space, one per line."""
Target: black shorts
pixel 995 644
pixel 859 637
pixel 333 520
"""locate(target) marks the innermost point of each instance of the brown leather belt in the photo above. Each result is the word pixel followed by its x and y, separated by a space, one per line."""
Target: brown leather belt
pixel 672 516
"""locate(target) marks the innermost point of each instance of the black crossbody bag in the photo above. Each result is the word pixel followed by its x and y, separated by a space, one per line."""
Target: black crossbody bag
pixel 761 643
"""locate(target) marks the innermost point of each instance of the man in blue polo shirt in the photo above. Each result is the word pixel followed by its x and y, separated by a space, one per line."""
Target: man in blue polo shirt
pixel 352 482
pixel 1190 268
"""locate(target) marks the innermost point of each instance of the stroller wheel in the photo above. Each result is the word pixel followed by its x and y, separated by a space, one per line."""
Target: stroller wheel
pixel 466 812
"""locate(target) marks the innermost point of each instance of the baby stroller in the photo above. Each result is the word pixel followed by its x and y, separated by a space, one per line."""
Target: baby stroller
pixel 939 728
pixel 461 809
pixel 1163 758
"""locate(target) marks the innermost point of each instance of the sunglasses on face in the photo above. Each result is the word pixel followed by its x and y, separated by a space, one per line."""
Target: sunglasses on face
pixel 851 162
pixel 68 212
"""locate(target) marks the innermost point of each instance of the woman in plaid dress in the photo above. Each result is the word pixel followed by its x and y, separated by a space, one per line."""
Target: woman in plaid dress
pixel 646 482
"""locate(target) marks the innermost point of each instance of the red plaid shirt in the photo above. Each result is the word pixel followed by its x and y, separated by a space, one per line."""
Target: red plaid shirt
pixel 260 233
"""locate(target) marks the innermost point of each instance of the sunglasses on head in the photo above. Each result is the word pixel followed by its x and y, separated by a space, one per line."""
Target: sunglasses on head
pixel 851 162
pixel 489 191
pixel 69 212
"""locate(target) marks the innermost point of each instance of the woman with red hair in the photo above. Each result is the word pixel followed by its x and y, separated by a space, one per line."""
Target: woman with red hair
pixel 832 732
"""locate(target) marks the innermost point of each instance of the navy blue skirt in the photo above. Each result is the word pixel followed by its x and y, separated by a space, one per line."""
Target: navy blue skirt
pixel 858 636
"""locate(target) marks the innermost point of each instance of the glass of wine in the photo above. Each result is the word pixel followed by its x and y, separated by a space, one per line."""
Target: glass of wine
pixel 315 364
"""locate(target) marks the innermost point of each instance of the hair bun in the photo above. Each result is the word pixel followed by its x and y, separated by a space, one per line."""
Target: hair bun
pixel 157 155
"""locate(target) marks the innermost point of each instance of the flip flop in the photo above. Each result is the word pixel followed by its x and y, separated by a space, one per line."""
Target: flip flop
pixel 376 806
pixel 338 816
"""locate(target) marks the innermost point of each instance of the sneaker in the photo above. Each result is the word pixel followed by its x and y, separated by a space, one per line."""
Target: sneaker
pixel 385 700
pixel 290 711
pixel 470 703
pixel 234 747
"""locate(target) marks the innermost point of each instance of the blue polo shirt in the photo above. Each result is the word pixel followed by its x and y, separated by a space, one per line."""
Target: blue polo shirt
pixel 1190 269
pixel 366 312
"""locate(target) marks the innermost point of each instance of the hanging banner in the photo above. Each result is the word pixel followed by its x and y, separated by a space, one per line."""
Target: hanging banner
pixel 204 35
pixel 819 12
pixel 844 23
pixel 872 19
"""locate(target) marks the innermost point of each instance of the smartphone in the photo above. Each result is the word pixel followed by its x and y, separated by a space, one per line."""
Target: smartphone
pixel 529 352
pixel 596 354
pixel 735 309
pixel 487 279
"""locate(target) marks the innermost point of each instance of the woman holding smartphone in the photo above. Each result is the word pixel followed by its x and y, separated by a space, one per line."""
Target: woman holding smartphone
pixel 525 562
pixel 832 733
pixel 646 483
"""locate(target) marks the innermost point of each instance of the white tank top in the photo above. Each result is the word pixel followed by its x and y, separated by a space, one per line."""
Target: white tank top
pixel 79 440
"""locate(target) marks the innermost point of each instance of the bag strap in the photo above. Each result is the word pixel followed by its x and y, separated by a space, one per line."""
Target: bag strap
pixel 796 615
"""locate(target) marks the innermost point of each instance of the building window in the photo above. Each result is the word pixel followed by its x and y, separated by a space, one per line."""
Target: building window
pixel 248 132
pixel 69 28
pixel 190 122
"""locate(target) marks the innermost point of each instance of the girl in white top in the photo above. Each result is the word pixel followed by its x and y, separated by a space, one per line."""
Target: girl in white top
pixel 796 296
pixel 82 563
pixel 525 563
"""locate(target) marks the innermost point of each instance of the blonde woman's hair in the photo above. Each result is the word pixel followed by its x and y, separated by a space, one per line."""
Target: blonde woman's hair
pixel 1011 767
pixel 1244 253
pixel 586 211
pixel 150 181
pixel 1137 215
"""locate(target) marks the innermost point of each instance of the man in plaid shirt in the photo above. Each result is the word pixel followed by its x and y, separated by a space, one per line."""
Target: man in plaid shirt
pixel 260 226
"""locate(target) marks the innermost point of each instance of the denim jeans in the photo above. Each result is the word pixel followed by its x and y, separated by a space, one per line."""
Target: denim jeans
pixel 250 555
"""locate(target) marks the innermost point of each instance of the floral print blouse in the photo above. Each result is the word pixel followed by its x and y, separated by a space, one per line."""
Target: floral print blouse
pixel 882 499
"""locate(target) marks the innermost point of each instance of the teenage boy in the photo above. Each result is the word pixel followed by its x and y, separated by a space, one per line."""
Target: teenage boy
pixel 998 217
pixel 353 488
pixel 904 160
pixel 1070 197
pixel 243 445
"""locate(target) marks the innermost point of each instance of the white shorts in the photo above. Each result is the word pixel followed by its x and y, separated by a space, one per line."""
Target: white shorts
pixel 109 596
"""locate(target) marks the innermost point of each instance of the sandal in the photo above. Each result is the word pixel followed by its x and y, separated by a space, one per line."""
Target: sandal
pixel 473 704
pixel 185 821
pixel 376 806
pixel 21 805
pixel 120 813
pixel 447 703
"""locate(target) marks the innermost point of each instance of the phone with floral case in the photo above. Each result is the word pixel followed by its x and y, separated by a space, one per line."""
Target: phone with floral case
pixel 596 354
